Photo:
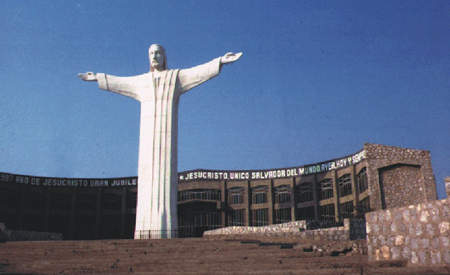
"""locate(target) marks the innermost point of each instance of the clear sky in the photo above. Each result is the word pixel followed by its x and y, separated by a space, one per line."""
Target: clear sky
pixel 317 80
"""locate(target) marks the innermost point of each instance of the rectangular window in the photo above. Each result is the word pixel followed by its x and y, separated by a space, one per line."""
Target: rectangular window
pixel 282 215
pixel 260 217
pixel 206 219
pixel 200 194
pixel 236 195
pixel 5 177
pixel 236 217
pixel 236 198
pixel 22 179
pixel 347 209
pixel 327 212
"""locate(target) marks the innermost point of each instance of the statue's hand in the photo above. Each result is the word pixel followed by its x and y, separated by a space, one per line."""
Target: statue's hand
pixel 89 76
pixel 230 57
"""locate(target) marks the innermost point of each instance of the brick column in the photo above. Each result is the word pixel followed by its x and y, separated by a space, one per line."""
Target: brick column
pixel 316 197
pixel 270 202
pixel 355 191
pixel 293 202
pixel 336 197
pixel 224 204
pixel 247 205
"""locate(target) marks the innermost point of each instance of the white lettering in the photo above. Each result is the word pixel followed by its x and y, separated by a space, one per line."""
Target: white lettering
pixel 301 170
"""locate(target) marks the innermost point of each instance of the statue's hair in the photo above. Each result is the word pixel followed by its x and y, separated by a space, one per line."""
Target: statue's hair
pixel 164 53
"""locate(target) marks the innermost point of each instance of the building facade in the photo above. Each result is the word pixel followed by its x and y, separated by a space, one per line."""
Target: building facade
pixel 377 177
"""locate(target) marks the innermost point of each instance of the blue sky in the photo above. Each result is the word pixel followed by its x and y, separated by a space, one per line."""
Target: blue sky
pixel 317 80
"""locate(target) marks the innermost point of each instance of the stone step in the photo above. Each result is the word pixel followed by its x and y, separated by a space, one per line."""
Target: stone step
pixel 185 256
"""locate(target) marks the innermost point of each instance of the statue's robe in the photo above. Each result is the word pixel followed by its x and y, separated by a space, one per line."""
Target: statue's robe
pixel 159 93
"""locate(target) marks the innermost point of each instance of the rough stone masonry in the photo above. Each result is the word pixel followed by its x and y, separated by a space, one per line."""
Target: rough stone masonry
pixel 419 234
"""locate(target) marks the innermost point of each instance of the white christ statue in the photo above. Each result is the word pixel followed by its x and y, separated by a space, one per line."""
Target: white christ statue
pixel 158 91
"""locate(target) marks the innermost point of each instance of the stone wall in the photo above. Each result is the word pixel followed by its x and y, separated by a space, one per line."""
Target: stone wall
pixel 351 230
pixel 397 183
pixel 419 234
pixel 398 176
pixel 22 235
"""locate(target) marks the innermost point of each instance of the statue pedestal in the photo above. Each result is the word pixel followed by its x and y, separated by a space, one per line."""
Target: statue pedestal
pixel 155 234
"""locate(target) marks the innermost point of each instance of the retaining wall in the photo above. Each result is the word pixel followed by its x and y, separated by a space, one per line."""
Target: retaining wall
pixel 419 234
pixel 22 235
pixel 351 230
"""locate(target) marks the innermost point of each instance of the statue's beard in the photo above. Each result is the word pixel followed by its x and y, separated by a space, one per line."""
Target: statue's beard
pixel 156 66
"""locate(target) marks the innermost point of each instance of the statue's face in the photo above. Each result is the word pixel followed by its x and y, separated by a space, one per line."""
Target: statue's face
pixel 156 56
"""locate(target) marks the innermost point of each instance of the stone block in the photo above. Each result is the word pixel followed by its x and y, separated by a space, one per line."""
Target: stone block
pixel 411 233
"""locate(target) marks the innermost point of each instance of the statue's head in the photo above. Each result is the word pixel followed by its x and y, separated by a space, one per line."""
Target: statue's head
pixel 157 57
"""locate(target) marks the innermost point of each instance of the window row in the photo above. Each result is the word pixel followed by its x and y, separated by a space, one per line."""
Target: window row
pixel 282 194
pixel 199 194
pixel 260 217
pixel 303 192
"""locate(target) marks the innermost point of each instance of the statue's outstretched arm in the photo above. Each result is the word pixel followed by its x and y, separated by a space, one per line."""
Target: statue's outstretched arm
pixel 230 57
pixel 88 76
pixel 121 85
pixel 192 77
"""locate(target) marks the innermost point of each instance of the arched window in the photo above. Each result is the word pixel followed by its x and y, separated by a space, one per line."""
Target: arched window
pixel 282 194
pixel 259 194
pixel 361 180
pixel 236 195
pixel 326 189
pixel 304 192
pixel 345 185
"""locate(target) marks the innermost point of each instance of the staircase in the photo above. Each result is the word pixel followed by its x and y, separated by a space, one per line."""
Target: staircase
pixel 186 256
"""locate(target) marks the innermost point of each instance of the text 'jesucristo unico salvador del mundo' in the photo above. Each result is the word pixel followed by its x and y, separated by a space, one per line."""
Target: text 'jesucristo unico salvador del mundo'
pixel 272 173
pixel 192 175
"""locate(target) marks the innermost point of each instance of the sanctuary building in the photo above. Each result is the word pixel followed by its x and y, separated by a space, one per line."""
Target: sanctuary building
pixel 376 177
